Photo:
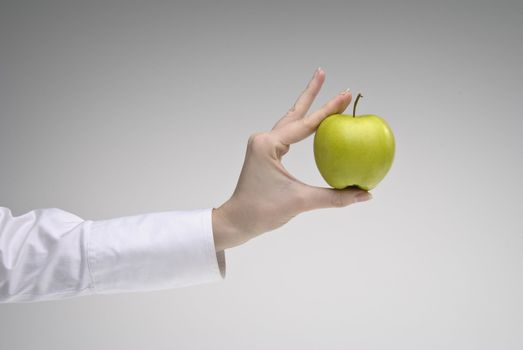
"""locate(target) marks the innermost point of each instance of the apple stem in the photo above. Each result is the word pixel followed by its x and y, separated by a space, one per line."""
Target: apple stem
pixel 355 104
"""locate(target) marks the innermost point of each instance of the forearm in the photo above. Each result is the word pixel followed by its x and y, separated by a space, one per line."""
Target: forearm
pixel 52 254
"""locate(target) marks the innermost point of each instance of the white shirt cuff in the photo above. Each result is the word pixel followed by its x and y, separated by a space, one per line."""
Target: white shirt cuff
pixel 154 251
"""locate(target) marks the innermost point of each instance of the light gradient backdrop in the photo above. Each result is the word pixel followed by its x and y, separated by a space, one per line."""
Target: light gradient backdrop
pixel 114 108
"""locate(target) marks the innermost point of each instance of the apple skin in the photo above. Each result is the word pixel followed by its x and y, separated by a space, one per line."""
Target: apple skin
pixel 353 151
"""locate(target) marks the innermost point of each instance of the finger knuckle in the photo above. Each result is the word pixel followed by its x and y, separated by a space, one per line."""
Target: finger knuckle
pixel 254 137
pixel 309 124
pixel 258 140
pixel 338 200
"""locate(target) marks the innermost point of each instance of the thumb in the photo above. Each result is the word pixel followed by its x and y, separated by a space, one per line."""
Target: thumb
pixel 321 197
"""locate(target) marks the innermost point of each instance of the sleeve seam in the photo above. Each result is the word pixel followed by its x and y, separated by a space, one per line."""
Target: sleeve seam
pixel 89 254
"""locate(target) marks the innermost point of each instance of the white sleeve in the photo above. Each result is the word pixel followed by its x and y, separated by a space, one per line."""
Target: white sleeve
pixel 49 254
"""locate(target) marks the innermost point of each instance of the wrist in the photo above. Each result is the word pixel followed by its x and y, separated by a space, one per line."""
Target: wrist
pixel 225 233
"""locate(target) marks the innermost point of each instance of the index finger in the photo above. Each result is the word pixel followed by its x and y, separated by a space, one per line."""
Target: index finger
pixel 301 128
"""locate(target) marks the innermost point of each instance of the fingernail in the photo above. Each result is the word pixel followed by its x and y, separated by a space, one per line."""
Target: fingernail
pixel 364 196
pixel 319 69
pixel 345 92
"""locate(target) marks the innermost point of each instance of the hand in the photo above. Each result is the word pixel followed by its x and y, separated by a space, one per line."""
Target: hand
pixel 267 195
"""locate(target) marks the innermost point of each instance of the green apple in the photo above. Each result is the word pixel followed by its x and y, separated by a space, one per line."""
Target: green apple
pixel 352 150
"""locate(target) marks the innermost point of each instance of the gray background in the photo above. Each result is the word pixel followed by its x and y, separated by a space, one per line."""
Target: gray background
pixel 113 108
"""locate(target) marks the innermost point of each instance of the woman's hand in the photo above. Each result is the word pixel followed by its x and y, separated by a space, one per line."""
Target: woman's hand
pixel 267 195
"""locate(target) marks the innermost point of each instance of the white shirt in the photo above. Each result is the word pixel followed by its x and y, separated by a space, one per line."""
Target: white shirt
pixel 49 254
